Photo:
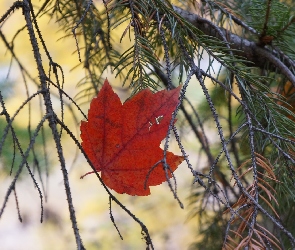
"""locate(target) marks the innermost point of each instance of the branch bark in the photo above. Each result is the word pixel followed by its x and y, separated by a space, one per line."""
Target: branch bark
pixel 51 117
pixel 257 55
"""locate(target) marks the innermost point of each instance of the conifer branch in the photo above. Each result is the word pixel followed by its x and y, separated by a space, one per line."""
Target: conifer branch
pixel 252 51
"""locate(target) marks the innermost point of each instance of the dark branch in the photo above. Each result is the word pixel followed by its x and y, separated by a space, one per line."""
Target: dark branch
pixel 253 52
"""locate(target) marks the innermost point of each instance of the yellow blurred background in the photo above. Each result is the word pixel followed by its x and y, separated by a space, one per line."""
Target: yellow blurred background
pixel 168 224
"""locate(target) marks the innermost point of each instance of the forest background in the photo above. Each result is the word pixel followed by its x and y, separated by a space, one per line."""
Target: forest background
pixel 235 124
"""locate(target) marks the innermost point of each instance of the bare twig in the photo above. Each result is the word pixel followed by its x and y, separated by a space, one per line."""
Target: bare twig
pixel 51 119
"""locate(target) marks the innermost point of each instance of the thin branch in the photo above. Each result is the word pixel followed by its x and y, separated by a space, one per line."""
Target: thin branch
pixel 51 119
pixel 111 196
pixel 267 14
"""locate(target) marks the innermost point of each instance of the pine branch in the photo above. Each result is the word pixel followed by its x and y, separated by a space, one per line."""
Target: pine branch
pixel 254 53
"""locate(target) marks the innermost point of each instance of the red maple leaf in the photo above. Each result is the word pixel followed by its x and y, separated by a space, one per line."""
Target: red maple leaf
pixel 122 140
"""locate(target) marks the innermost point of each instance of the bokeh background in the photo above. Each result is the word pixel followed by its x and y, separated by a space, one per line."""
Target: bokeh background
pixel 170 226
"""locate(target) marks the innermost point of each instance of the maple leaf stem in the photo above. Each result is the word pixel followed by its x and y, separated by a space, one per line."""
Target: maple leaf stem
pixel 92 172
